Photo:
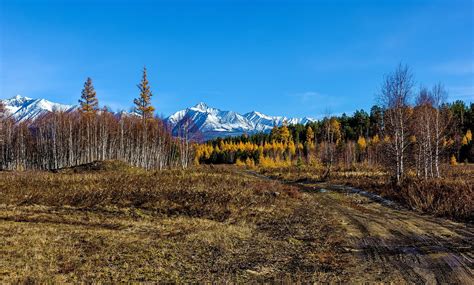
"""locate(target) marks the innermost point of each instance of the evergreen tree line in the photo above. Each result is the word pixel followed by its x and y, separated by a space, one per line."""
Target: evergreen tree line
pixel 65 139
pixel 407 130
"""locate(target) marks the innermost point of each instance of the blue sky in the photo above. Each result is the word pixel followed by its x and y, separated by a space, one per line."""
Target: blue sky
pixel 279 57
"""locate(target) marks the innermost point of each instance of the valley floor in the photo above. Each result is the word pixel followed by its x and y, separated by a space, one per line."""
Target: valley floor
pixel 217 224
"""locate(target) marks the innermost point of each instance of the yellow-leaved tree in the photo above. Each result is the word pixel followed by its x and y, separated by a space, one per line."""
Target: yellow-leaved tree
pixel 310 136
pixel 469 136
pixel 88 102
pixel 143 105
pixel 361 144
pixel 453 160
pixel 285 135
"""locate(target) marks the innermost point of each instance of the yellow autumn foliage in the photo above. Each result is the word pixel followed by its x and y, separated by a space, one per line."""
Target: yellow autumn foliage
pixel 469 136
pixel 249 162
pixel 453 160
pixel 361 143
pixel 310 136
pixel 375 139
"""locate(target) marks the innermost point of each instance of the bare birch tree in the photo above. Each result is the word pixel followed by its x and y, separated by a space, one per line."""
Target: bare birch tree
pixel 442 119
pixel 423 131
pixel 394 96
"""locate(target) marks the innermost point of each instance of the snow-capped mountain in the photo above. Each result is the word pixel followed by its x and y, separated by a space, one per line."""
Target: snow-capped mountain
pixel 207 122
pixel 200 121
pixel 25 108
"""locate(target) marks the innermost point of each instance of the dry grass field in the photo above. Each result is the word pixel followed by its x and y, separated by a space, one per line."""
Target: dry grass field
pixel 113 223
pixel 107 222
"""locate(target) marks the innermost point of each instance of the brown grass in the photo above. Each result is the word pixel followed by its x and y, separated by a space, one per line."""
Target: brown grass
pixel 205 224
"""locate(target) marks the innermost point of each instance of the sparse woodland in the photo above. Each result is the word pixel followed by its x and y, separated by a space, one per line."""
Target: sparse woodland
pixel 65 139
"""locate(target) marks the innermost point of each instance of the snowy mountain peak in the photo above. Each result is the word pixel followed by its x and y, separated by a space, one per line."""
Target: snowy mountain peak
pixel 19 97
pixel 256 115
pixel 201 106
pixel 17 100
pixel 206 122
pixel 24 108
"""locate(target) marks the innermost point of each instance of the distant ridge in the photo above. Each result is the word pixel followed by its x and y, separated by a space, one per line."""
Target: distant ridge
pixel 24 108
pixel 200 121
pixel 208 122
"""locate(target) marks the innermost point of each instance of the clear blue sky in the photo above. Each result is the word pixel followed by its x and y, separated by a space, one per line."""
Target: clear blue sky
pixel 278 57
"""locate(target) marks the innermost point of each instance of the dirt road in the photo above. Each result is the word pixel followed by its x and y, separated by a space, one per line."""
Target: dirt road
pixel 419 249
pixel 395 244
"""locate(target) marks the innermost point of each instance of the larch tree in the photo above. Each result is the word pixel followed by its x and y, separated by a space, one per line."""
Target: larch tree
pixel 143 105
pixel 145 110
pixel 362 147
pixel 88 102
pixel 285 135
pixel 309 136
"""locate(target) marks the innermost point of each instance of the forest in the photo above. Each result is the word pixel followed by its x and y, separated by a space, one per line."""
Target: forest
pixel 402 133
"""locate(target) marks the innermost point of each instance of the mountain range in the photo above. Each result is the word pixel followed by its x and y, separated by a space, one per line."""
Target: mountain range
pixel 200 121
pixel 211 122
pixel 24 108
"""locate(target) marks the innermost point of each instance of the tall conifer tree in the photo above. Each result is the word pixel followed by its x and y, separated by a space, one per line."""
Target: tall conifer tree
pixel 89 103
pixel 309 136
pixel 143 105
